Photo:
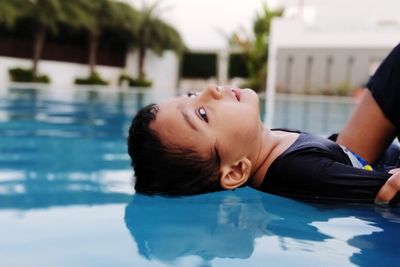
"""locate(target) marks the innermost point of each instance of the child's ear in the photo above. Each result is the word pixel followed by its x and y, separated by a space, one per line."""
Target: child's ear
pixel 235 175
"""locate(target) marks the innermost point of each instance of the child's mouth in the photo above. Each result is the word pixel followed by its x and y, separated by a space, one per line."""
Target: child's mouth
pixel 236 91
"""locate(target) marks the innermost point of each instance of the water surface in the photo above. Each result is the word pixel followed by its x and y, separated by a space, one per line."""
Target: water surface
pixel 66 199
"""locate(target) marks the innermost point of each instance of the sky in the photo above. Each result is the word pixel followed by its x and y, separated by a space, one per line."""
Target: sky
pixel 205 24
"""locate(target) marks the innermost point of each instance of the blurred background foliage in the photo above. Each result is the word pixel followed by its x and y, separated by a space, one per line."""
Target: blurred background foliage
pixel 90 23
pixel 254 48
pixel 103 31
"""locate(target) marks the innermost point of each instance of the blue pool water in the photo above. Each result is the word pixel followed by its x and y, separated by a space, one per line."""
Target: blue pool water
pixel 66 199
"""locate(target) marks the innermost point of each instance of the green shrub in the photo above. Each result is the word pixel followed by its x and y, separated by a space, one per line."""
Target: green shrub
pixel 343 88
pixel 134 82
pixel 93 79
pixel 124 77
pixel 140 83
pixel 41 79
pixel 26 75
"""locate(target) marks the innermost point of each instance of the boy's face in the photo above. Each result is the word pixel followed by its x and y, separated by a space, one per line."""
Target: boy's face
pixel 220 118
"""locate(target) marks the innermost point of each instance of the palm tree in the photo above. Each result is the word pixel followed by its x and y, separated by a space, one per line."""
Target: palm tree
pixel 156 35
pixel 102 15
pixel 10 11
pixel 256 49
pixel 44 15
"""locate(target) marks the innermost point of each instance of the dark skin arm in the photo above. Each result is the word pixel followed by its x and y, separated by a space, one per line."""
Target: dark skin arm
pixel 368 132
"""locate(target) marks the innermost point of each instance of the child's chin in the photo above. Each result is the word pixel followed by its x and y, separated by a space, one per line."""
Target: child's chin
pixel 251 95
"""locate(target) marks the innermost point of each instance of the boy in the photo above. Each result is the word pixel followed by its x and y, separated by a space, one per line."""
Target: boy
pixel 215 140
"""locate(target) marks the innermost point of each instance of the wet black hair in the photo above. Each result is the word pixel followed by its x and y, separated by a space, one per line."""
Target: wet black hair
pixel 165 169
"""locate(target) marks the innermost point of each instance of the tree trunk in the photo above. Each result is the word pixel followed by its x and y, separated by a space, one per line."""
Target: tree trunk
pixel 38 43
pixel 142 55
pixel 93 45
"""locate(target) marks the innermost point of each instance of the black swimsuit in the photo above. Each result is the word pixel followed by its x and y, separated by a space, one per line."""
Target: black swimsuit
pixel 385 87
pixel 317 168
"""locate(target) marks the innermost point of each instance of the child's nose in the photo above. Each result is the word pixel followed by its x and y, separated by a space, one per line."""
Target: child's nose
pixel 213 92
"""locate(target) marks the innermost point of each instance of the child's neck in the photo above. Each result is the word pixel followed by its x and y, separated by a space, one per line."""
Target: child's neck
pixel 273 144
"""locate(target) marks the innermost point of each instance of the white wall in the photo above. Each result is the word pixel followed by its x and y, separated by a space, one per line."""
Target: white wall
pixel 295 34
pixel 344 14
pixel 163 71
pixel 62 74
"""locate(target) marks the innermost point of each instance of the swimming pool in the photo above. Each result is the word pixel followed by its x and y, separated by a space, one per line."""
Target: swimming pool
pixel 66 200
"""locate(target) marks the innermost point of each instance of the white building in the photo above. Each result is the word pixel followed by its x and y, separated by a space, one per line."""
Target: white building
pixel 329 45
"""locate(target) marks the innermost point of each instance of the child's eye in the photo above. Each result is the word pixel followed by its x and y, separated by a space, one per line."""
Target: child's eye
pixel 191 94
pixel 203 114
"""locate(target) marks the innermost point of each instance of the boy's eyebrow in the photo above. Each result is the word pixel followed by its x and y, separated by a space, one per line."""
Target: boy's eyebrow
pixel 189 120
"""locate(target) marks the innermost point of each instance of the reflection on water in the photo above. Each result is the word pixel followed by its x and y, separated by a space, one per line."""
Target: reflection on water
pixel 64 149
pixel 247 224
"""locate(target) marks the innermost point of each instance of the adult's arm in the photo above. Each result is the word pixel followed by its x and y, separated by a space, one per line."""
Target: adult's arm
pixel 374 123
pixel 368 132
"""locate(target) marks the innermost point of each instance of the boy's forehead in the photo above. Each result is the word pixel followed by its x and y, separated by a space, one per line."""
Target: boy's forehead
pixel 167 115
pixel 170 124
pixel 168 102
